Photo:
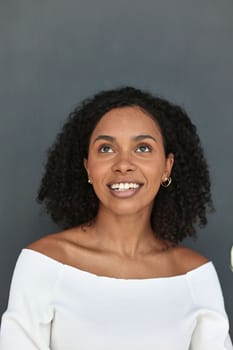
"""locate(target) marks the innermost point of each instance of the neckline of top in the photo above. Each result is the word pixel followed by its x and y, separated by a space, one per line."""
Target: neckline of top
pixel 93 275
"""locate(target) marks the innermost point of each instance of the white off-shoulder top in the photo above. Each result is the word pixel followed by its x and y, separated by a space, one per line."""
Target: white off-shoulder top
pixel 60 307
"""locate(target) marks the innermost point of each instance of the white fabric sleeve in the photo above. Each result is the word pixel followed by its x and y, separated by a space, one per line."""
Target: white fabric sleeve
pixel 27 321
pixel 212 326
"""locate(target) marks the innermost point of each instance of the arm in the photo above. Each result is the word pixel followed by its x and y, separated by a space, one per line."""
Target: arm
pixel 211 332
pixel 212 326
pixel 27 321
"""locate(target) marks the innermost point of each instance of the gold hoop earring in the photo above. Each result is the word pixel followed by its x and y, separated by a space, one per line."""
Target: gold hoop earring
pixel 167 182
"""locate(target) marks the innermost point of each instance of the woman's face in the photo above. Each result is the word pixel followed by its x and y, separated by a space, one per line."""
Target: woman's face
pixel 126 161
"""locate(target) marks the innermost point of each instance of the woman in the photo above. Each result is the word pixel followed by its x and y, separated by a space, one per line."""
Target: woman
pixel 128 181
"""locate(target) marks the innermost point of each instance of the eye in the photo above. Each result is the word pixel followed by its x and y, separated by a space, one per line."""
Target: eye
pixel 144 148
pixel 105 149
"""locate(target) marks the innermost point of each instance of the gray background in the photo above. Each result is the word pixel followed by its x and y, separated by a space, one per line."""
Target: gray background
pixel 54 53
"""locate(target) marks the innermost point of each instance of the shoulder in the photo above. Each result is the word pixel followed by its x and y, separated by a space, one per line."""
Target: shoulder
pixel 35 273
pixel 39 262
pixel 202 278
pixel 186 259
pixel 50 245
pixel 36 276
pixel 58 246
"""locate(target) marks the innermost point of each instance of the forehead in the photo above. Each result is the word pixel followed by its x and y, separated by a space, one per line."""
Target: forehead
pixel 131 120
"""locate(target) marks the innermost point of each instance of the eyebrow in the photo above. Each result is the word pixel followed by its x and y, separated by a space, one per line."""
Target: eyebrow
pixel 135 138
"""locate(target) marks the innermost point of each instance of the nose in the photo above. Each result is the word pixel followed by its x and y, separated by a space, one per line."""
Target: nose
pixel 123 164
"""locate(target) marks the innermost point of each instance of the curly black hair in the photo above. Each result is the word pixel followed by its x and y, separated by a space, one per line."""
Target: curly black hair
pixel 71 201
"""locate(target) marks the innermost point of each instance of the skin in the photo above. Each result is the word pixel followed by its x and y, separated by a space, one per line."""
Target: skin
pixel 126 158
pixel 125 146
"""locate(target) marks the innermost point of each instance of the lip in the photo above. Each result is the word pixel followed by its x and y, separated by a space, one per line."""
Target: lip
pixel 124 193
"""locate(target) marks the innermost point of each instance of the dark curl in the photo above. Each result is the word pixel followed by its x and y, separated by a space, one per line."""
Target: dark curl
pixel 71 201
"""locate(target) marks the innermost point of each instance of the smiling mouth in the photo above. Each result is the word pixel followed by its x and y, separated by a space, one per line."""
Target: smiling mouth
pixel 124 186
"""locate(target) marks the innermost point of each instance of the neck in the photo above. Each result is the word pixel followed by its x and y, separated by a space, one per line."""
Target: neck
pixel 126 235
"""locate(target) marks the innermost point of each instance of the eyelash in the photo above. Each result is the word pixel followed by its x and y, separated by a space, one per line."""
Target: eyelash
pixel 102 147
pixel 138 147
pixel 145 146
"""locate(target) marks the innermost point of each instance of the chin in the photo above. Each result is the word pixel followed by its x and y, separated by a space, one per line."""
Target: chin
pixel 127 209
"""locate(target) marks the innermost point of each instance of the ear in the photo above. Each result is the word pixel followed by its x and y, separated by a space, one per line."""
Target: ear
pixel 169 165
pixel 85 164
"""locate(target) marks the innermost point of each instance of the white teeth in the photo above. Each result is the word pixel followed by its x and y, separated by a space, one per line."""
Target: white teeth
pixel 122 186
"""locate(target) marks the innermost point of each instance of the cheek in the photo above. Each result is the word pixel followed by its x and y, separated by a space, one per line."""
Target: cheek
pixel 97 170
pixel 154 169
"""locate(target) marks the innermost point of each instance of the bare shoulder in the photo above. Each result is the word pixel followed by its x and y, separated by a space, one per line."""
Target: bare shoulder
pixel 186 259
pixel 57 246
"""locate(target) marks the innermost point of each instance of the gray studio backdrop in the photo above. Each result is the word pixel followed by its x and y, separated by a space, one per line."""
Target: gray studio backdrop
pixel 54 53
